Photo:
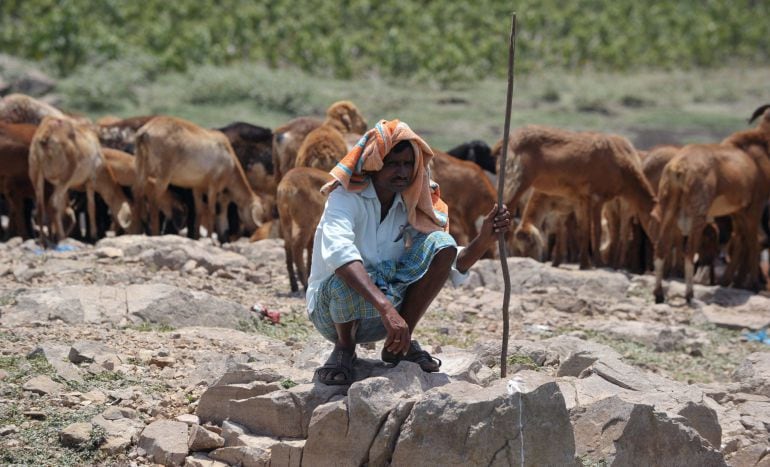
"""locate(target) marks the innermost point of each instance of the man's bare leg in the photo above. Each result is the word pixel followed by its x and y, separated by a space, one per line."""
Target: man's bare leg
pixel 346 335
pixel 421 294
pixel 338 368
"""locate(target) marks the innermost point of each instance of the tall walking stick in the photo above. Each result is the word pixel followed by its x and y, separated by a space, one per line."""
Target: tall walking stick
pixel 500 184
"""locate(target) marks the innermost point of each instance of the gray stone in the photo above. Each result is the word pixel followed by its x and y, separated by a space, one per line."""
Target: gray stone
pixel 287 453
pixel 487 426
pixel 6 430
pixel 165 442
pixel 527 274
pixel 261 253
pixel 199 459
pixel 753 374
pixel 462 365
pixel 215 403
pixel 173 251
pixel 70 304
pixel 133 304
pixel 120 433
pixel 231 432
pixel 164 304
pixel 384 442
pixel 42 385
pixel 751 315
pixel 75 434
pixel 89 352
pixel 623 433
pixel 752 455
pixel 57 355
pixel 188 418
pixel 661 337
pixel 202 439
pixel 251 456
pixel 284 413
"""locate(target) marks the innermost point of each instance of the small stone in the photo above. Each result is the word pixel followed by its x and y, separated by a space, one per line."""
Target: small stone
pixel 189 419
pixel 42 385
pixel 109 252
pixel 95 396
pixel 8 430
pixel 35 414
pixel 76 434
pixel 162 362
pixel 3 374
pixel 190 265
pixel 202 439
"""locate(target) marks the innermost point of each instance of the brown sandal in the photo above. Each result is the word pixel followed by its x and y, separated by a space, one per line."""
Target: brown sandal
pixel 427 362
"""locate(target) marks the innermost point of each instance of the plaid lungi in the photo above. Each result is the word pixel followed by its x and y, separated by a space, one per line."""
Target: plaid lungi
pixel 336 302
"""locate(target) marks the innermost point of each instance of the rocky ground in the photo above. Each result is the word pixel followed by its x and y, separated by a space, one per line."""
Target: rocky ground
pixel 100 345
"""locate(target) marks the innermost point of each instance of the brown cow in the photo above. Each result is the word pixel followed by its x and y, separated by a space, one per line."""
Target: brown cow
pixel 467 191
pixel 587 168
pixel 175 151
pixel 300 206
pixel 68 155
pixel 288 138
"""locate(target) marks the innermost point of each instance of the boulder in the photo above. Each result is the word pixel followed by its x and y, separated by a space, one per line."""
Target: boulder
pixel 173 251
pixel 76 435
pixel 618 432
pixel 467 425
pixel 165 442
pixel 202 439
pixel 132 304
pixel 42 385
pixel 753 374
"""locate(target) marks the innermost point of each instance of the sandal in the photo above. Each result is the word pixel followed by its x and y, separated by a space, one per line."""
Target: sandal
pixel 427 362
pixel 338 369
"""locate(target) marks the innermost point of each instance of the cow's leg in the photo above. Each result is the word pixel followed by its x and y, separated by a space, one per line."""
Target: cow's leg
pixel 198 203
pixel 59 200
pixel 211 194
pixel 691 246
pixel 91 209
pixel 596 231
pixel 584 232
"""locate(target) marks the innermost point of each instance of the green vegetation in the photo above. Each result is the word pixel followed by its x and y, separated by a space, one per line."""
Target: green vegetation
pixel 522 360
pixel 145 326
pixel 288 383
pixel 689 105
pixel 293 326
pixel 441 40
pixel 38 436
pixel 19 370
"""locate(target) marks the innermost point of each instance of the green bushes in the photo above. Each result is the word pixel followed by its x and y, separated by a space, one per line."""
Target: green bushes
pixel 438 40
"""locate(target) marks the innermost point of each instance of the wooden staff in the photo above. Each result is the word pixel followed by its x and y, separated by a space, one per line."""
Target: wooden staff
pixel 500 184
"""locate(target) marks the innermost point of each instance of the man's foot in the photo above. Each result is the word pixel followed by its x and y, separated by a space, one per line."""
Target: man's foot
pixel 427 362
pixel 338 369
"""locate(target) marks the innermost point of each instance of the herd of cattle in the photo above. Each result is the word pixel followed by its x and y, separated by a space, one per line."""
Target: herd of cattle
pixel 580 197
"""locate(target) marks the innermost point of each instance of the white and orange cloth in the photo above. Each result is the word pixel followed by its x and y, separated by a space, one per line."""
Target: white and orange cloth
pixel 426 211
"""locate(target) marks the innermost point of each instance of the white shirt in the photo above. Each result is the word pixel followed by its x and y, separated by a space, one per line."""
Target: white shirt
pixel 350 230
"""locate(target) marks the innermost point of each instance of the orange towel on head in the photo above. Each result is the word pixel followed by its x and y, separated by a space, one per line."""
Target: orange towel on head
pixel 426 211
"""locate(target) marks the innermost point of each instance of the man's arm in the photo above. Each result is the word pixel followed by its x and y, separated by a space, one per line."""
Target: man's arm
pixel 495 222
pixel 355 276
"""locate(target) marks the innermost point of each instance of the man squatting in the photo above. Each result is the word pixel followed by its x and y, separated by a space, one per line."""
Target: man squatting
pixel 382 250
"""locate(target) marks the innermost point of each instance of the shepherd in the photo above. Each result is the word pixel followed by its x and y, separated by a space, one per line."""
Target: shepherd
pixel 382 251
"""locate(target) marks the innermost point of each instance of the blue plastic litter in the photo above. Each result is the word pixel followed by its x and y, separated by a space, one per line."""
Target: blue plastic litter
pixel 59 248
pixel 759 336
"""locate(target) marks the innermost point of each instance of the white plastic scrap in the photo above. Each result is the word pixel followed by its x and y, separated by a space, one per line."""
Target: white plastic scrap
pixel 516 385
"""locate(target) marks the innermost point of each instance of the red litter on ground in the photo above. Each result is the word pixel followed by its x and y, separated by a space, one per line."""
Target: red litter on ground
pixel 273 316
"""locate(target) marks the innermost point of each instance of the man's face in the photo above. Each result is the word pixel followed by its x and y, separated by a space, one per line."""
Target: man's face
pixel 396 173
